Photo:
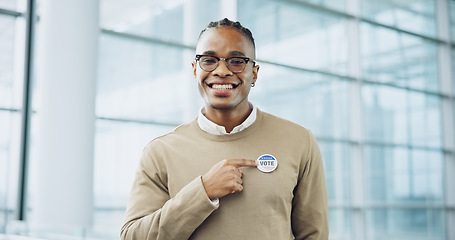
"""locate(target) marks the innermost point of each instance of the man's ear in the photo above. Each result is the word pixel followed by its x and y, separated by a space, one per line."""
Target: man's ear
pixel 194 64
pixel 255 72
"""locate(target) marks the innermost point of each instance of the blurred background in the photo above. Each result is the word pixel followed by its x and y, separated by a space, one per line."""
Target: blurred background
pixel 374 81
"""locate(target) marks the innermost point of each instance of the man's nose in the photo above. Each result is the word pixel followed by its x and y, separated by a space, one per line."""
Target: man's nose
pixel 222 70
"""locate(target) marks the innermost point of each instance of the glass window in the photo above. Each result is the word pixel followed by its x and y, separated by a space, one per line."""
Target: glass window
pixel 425 120
pixel 8 4
pixel 118 150
pixel 175 21
pixel 313 100
pixel 9 165
pixel 384 110
pixel 406 224
pixel 335 4
pixel 144 18
pixel 144 90
pixel 337 171
pixel 453 67
pixel 399 116
pixel 10 117
pixel 452 18
pixel 292 35
pixel 403 175
pixel 416 16
pixel 10 84
pixel 145 82
pixel 396 58
pixel 340 223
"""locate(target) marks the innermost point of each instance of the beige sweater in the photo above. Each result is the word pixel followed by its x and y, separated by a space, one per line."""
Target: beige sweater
pixel 168 200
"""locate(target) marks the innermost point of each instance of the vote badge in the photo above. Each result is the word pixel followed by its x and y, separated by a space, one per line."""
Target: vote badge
pixel 267 163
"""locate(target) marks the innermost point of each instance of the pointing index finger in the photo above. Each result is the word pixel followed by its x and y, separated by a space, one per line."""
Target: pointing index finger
pixel 243 163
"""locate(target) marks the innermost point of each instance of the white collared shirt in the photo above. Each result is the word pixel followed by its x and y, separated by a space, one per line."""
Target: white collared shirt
pixel 208 126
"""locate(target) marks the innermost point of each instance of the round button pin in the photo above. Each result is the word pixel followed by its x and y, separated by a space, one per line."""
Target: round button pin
pixel 267 163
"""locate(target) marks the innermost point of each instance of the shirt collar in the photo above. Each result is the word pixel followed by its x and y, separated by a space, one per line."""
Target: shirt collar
pixel 208 126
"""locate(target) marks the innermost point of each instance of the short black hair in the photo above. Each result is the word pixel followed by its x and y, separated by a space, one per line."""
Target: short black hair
pixel 235 25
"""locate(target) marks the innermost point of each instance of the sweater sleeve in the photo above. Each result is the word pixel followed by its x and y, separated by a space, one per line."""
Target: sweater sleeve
pixel 309 207
pixel 152 214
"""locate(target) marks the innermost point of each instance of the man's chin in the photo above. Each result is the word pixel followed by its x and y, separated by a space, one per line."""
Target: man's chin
pixel 221 107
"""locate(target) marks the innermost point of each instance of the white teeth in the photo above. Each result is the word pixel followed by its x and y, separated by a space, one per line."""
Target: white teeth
pixel 222 86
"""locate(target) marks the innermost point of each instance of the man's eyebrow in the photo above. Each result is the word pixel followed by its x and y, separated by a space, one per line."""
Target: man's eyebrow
pixel 232 53
pixel 237 53
pixel 212 53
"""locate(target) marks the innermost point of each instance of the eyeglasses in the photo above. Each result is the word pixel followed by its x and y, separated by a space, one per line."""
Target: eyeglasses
pixel 234 64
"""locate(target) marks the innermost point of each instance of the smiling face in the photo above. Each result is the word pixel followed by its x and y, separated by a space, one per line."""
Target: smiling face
pixel 222 89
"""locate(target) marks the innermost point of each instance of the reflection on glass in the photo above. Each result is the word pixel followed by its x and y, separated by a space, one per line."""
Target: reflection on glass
pixel 118 149
pixel 452 18
pixel 425 120
pixel 453 59
pixel 145 82
pixel 172 20
pixel 334 4
pixel 106 223
pixel 337 171
pixel 395 58
pixel 296 36
pixel 10 100
pixel 402 175
pixel 340 223
pixel 7 84
pixel 399 223
pixel 9 166
pixel 401 117
pixel 385 114
pixel 413 15
pixel 8 4
pixel 313 100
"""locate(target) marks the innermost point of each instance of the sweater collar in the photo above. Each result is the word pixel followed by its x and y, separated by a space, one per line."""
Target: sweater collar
pixel 210 127
pixel 233 136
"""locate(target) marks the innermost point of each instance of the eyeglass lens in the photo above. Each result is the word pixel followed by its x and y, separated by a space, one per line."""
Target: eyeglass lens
pixel 234 64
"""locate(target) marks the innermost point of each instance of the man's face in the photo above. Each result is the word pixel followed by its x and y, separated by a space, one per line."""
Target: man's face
pixel 221 88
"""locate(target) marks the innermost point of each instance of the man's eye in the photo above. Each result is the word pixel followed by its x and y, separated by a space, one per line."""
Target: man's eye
pixel 238 61
pixel 208 60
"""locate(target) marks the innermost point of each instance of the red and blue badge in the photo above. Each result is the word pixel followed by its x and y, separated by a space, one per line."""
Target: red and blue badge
pixel 267 163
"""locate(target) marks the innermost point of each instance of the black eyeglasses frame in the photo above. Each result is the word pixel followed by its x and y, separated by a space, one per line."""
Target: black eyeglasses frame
pixel 246 59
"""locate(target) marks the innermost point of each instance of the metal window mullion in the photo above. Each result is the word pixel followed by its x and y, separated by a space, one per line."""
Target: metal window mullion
pixel 447 112
pixel 26 111
pixel 10 13
pixel 357 163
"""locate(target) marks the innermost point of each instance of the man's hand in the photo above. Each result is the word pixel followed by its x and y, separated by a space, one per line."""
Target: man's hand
pixel 225 177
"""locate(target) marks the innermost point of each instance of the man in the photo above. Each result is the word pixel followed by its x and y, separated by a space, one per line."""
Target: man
pixel 235 172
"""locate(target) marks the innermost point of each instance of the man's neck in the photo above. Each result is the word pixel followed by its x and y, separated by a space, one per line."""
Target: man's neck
pixel 227 118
